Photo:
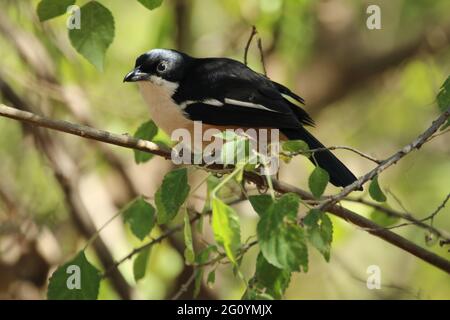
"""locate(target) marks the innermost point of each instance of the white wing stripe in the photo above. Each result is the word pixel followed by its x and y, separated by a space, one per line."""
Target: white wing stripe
pixel 247 104
pixel 217 103
pixel 211 102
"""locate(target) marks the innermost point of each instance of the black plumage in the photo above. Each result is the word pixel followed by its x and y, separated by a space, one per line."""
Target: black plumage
pixel 225 92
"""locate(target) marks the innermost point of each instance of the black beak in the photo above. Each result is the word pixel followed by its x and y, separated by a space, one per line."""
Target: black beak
pixel 135 75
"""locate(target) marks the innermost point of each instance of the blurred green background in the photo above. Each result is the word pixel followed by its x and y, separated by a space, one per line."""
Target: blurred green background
pixel 370 89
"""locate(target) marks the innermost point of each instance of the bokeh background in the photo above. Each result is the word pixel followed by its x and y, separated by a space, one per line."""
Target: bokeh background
pixel 370 89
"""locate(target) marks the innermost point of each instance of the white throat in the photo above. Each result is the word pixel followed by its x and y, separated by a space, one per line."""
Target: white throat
pixel 157 94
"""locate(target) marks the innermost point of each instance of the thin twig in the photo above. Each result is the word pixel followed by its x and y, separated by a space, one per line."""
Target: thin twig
pixel 159 239
pixel 279 186
pixel 261 55
pixel 405 216
pixel 247 46
pixel 416 144
pixel 439 208
pixel 362 154
pixel 184 287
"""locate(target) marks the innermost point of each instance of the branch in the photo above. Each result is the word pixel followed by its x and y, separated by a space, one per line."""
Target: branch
pixel 135 251
pixel 249 41
pixel 360 153
pixel 405 216
pixel 260 48
pixel 416 144
pixel 184 287
pixel 361 222
pixel 65 174
pixel 332 207
pixel 84 131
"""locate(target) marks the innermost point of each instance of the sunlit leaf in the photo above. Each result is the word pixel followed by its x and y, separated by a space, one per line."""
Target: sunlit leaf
pixel 96 33
pixel 189 254
pixel 295 146
pixel 235 151
pixel 146 131
pixel 48 9
pixel 140 215
pixel 75 280
pixel 226 227
pixel 171 195
pixel 281 240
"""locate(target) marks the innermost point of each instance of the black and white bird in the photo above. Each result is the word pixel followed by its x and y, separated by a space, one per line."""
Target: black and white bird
pixel 224 93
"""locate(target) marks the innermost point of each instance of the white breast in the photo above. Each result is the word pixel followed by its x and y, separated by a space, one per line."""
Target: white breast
pixel 157 94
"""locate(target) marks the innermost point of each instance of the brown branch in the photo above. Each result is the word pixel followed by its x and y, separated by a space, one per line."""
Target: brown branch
pixel 413 221
pixel 66 176
pixel 146 146
pixel 361 222
pixel 184 287
pixel 416 144
pixel 84 131
pixel 50 84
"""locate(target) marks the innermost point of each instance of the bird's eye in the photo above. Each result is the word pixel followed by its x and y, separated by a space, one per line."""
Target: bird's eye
pixel 162 66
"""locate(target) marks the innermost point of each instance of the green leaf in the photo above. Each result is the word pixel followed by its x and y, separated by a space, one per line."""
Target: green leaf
pixel 140 216
pixel 189 254
pixel 443 99
pixel 375 191
pixel 319 230
pixel 235 151
pixel 151 4
pixel 75 280
pixel 96 33
pixel 260 203
pixel 228 135
pixel 211 278
pixel 273 279
pixel 226 227
pixel 383 219
pixel 281 240
pixel 147 131
pixel 295 146
pixel 171 195
pixel 318 181
pixel 251 294
pixel 140 264
pixel 48 9
pixel 202 257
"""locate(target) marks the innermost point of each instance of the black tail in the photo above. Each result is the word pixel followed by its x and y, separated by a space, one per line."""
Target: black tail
pixel 340 175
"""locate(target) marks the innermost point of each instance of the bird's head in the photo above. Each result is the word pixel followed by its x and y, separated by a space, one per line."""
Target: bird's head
pixel 159 66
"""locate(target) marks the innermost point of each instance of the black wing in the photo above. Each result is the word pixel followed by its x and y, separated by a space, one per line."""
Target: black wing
pixel 226 92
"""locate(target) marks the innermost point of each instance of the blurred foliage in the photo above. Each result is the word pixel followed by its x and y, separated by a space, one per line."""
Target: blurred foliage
pixel 377 116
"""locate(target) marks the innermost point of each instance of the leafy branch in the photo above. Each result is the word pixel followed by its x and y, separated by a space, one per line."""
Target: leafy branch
pixel 332 207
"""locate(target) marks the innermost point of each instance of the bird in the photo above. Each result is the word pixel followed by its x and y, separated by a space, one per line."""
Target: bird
pixel 224 93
